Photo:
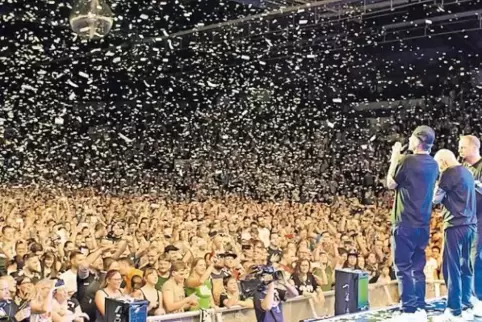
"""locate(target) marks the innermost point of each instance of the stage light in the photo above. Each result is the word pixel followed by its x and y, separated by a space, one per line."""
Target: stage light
pixel 91 19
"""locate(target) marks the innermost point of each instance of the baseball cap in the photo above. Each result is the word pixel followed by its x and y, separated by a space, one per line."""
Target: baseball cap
pixel 352 252
pixel 170 248
pixel 229 254
pixel 425 134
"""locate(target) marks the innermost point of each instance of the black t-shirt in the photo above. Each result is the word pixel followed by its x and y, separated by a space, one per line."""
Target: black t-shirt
pixel 276 312
pixel 224 296
pixel 459 201
pixel 309 285
pixel 72 304
pixel 476 170
pixel 86 289
pixel 35 277
pixel 415 177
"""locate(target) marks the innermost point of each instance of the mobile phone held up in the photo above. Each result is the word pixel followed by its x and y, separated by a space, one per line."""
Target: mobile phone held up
pixel 59 283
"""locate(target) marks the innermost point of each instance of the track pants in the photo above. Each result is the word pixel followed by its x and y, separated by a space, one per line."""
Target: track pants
pixel 457 266
pixel 478 263
pixel 409 257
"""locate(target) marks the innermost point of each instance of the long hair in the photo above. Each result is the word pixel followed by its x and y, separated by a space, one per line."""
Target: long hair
pixel 148 271
pixel 347 262
pixel 298 266
pixel 47 256
pixel 194 264
pixel 109 275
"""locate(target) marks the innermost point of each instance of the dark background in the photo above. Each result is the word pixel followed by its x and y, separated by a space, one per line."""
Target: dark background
pixel 234 92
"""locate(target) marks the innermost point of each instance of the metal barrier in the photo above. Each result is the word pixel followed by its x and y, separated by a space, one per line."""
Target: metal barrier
pixel 301 308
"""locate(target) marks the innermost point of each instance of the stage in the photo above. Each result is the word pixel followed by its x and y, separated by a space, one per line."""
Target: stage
pixel 434 308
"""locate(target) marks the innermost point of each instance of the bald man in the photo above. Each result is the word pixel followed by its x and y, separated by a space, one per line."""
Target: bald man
pixel 469 151
pixel 456 191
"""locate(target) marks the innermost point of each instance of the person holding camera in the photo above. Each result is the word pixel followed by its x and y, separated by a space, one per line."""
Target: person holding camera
pixel 268 298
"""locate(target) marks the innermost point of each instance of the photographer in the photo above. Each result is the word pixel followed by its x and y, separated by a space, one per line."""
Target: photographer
pixel 268 298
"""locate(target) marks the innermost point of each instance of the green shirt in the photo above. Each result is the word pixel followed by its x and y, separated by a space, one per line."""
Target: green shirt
pixel 204 293
pixel 329 277
pixel 160 282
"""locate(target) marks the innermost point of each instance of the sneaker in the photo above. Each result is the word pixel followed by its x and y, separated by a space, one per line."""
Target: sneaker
pixel 401 317
pixel 419 316
pixel 477 309
pixel 447 316
pixel 468 315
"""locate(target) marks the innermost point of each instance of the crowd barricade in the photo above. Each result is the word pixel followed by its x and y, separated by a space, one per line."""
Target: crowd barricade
pixel 301 308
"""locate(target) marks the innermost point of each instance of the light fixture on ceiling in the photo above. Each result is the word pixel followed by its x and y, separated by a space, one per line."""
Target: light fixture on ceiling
pixel 91 19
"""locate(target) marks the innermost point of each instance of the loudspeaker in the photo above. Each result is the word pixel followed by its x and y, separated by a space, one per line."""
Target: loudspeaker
pixel 351 291
pixel 124 311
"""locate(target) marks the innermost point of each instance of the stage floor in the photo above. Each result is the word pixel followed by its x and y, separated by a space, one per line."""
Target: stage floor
pixel 434 308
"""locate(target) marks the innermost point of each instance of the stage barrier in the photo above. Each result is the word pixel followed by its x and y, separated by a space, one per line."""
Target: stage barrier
pixel 301 308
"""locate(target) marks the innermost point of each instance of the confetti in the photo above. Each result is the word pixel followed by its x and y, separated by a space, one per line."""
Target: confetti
pixel 297 92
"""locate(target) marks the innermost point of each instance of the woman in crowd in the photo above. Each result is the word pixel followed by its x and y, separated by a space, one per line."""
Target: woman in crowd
pixel 50 266
pixel 111 289
pixel 231 295
pixel 384 275
pixel 384 279
pixel 351 261
pixel 149 292
pixel 361 262
pixel 303 279
pixel 200 284
pixel 136 284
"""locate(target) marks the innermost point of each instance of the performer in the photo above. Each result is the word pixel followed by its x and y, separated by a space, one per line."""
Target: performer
pixel 456 191
pixel 469 151
pixel 413 177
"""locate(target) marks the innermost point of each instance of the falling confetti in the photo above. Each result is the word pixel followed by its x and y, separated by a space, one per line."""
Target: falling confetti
pixel 277 101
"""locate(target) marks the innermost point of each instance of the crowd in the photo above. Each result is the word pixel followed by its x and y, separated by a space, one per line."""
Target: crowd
pixel 183 255
pixel 305 204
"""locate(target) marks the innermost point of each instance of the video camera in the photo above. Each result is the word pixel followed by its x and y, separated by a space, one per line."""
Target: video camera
pixel 254 281
pixel 261 270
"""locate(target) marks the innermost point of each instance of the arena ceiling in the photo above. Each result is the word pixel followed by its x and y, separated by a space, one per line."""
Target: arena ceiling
pixel 157 47
pixel 169 66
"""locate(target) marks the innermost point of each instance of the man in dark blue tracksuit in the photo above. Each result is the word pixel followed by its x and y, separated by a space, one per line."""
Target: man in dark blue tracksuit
pixel 469 151
pixel 413 176
pixel 456 191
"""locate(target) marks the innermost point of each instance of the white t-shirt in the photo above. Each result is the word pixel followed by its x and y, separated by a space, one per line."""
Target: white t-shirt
pixel 70 279
pixel 430 269
pixel 264 236
pixel 245 235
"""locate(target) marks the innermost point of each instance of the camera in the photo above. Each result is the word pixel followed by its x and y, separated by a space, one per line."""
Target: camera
pixel 254 281
pixel 258 271
pixel 110 236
